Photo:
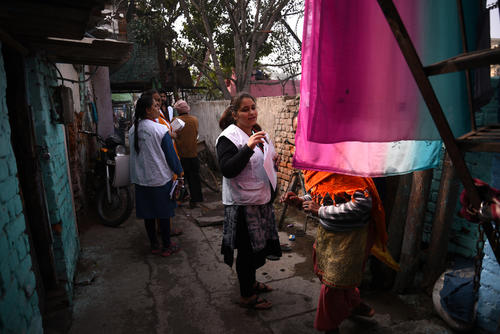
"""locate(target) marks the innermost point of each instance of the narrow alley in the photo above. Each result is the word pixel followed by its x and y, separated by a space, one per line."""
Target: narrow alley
pixel 122 288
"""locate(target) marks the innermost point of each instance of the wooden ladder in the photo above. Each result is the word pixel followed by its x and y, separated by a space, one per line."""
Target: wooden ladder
pixel 486 139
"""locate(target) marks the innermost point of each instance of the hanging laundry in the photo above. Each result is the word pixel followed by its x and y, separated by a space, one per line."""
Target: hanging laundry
pixel 361 112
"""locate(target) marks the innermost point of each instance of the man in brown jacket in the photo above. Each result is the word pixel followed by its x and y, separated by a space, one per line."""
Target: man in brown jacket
pixel 186 143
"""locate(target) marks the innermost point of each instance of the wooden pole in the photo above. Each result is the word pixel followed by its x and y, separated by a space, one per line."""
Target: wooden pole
pixel 441 225
pixel 410 249
pixel 395 230
pixel 414 63
pixel 467 71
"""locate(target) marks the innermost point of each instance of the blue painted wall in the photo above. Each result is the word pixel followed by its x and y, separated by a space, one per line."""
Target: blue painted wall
pixel 19 311
pixel 463 235
pixel 41 76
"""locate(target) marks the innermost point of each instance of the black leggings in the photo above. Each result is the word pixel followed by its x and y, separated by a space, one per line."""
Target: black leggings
pixel 150 225
pixel 191 167
pixel 247 262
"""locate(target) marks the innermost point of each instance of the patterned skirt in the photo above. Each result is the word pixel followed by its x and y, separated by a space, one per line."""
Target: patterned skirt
pixel 262 230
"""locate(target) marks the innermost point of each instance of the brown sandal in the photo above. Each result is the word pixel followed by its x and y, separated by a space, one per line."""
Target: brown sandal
pixel 175 232
pixel 260 287
pixel 257 303
pixel 363 310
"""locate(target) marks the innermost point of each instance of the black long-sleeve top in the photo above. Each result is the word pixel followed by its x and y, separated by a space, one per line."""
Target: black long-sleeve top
pixel 231 160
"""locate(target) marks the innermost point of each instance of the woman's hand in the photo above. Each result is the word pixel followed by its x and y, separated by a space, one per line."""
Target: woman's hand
pixel 291 198
pixel 256 138
pixel 181 181
pixel 311 207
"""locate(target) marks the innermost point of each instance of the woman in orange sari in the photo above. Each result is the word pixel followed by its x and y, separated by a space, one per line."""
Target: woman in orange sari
pixel 352 224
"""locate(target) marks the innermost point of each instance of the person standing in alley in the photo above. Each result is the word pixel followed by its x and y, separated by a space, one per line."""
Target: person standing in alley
pixel 164 119
pixel 186 144
pixel 247 195
pixel 352 224
pixel 153 163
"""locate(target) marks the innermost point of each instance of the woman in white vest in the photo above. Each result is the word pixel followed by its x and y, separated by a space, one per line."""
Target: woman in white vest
pixel 249 221
pixel 153 163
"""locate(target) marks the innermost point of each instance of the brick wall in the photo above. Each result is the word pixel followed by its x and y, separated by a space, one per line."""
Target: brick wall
pixel 40 77
pixel 488 311
pixel 284 131
pixel 19 312
pixel 489 293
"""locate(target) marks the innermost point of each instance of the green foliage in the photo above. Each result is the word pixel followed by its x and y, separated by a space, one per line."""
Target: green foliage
pixel 155 21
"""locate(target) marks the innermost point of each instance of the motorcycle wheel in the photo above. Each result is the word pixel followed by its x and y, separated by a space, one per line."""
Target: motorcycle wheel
pixel 118 210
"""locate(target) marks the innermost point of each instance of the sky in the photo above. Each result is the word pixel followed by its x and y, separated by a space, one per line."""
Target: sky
pixel 494 23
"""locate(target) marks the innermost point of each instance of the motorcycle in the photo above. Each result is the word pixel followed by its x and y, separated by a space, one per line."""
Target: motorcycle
pixel 111 174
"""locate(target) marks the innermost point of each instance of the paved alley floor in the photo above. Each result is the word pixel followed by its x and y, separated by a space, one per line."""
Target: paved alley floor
pixel 122 288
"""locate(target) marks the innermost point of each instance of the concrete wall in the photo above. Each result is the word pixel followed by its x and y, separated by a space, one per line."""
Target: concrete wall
pixel 40 77
pixel 19 311
pixel 209 113
pixel 68 71
pixel 274 88
pixel 102 95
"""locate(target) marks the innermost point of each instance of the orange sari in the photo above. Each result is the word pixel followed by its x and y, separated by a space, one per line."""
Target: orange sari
pixel 162 120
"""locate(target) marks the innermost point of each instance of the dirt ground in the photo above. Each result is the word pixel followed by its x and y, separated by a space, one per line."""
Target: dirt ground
pixel 122 288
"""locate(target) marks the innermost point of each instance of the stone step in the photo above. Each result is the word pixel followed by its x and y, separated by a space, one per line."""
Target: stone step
pixel 209 221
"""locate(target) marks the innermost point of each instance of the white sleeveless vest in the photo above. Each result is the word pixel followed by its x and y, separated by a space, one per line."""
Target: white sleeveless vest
pixel 251 186
pixel 149 167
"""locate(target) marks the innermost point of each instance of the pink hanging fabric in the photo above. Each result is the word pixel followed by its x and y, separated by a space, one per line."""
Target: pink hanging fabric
pixel 361 112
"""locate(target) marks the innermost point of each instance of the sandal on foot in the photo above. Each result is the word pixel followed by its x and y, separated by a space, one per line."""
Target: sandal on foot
pixel 175 232
pixel 173 248
pixel 156 251
pixel 257 303
pixel 363 310
pixel 260 287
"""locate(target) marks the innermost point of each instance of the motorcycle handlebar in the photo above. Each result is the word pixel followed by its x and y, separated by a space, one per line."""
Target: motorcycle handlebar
pixel 93 134
pixel 87 132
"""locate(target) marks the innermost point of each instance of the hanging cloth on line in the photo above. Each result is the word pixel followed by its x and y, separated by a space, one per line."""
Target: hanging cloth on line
pixel 361 112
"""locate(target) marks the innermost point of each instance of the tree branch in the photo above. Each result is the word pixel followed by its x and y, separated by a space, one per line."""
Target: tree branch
pixel 211 46
pixel 290 30
pixel 202 67
pixel 282 64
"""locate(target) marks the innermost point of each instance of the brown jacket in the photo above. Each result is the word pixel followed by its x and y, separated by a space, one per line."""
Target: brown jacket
pixel 187 138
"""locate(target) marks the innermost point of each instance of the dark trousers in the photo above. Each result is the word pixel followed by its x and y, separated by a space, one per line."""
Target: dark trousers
pixel 191 167
pixel 245 260
pixel 150 225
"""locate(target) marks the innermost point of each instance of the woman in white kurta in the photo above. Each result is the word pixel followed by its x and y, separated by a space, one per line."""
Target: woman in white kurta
pixel 153 163
pixel 249 221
